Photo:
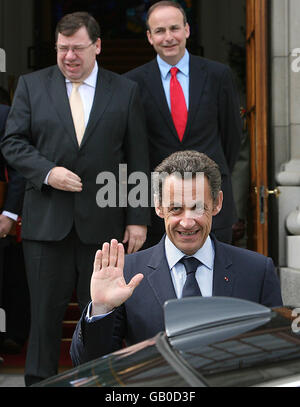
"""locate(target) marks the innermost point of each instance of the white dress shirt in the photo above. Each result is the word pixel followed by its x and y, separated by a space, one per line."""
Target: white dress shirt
pixel 87 93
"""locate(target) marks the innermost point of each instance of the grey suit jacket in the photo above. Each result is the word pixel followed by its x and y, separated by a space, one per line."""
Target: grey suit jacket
pixel 237 273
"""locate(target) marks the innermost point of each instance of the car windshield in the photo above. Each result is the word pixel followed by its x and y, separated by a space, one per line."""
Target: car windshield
pixel 264 354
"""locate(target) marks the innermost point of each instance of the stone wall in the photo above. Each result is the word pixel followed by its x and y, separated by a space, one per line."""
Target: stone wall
pixel 285 134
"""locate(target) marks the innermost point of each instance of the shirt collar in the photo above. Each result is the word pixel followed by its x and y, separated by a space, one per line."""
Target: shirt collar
pixel 91 80
pixel 182 65
pixel 205 254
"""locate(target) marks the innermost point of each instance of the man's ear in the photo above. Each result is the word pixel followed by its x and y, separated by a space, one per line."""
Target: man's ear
pixel 98 46
pixel 187 30
pixel 149 37
pixel 158 208
pixel 218 204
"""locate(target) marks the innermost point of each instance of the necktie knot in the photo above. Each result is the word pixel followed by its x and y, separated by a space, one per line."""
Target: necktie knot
pixel 190 263
pixel 75 85
pixel 174 71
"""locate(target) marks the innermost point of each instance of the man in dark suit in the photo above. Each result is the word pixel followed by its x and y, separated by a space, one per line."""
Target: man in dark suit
pixel 129 306
pixel 68 124
pixel 12 187
pixel 213 124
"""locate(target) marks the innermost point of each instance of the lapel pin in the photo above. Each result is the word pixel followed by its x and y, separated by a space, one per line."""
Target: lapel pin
pixel 226 279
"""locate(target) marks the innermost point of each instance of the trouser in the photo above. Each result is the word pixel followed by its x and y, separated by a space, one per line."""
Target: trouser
pixel 54 270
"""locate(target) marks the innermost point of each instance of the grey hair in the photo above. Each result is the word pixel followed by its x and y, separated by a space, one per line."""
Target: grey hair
pixel 188 162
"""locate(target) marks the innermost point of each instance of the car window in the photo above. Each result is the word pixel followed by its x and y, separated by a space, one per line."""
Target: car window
pixel 256 357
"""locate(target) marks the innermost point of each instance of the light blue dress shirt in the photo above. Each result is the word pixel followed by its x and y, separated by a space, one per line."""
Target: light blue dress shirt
pixel 182 76
pixel 204 273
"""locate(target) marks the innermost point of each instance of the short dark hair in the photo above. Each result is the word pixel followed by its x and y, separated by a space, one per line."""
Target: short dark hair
pixel 165 4
pixel 189 162
pixel 71 23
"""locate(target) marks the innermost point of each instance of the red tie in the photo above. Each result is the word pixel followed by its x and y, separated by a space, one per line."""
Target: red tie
pixel 178 105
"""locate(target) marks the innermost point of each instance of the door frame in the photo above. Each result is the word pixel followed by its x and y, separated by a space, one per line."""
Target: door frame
pixel 257 120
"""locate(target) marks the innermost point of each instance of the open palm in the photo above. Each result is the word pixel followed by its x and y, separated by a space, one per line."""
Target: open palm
pixel 108 286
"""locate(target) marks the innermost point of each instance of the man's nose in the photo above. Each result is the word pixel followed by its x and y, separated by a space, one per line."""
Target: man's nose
pixel 168 35
pixel 187 221
pixel 70 54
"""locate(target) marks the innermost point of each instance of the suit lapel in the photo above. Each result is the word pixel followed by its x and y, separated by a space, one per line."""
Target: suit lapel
pixel 159 276
pixel 58 94
pixel 154 84
pixel 103 94
pixel 224 275
pixel 197 79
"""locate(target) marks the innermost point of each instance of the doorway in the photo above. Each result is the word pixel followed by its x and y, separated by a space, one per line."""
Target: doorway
pixel 123 28
pixel 229 31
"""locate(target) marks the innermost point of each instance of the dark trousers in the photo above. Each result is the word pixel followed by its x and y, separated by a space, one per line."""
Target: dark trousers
pixel 54 270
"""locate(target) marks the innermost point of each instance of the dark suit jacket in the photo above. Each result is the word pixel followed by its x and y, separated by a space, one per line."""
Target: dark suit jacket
pixel 40 135
pixel 213 127
pixel 237 273
pixel 15 191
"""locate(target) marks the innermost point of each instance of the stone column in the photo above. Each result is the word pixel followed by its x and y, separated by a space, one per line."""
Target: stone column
pixel 285 132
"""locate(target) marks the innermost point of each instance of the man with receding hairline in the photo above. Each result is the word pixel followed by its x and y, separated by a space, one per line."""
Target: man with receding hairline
pixel 212 123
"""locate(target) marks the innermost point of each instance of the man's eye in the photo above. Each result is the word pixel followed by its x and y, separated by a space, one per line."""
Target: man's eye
pixel 176 209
